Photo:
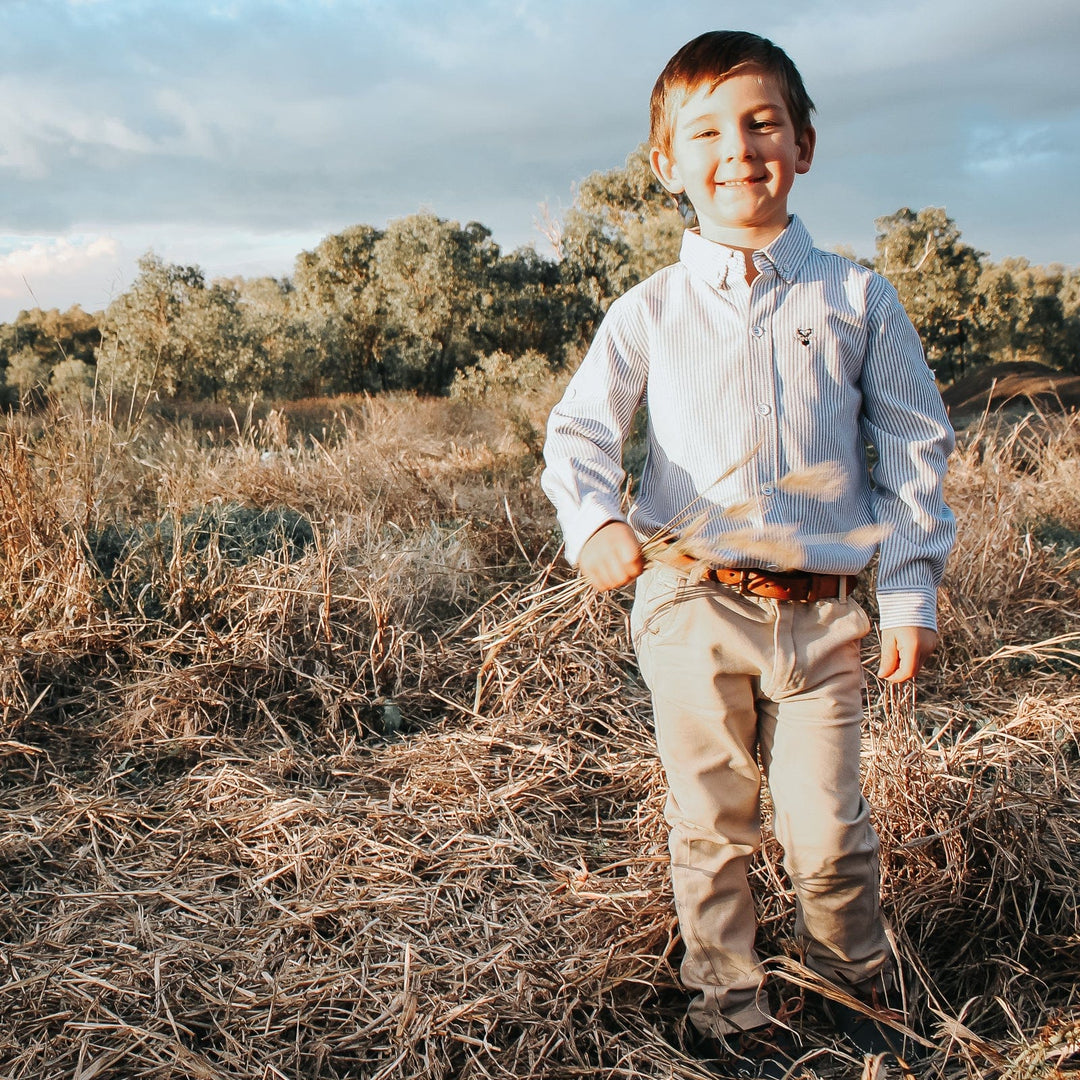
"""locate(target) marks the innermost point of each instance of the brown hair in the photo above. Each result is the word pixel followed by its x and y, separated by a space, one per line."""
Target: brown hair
pixel 713 57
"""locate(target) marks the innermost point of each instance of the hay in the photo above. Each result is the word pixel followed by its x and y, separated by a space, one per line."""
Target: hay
pixel 218 859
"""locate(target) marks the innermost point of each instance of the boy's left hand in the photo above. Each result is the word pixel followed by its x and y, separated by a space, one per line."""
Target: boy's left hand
pixel 903 650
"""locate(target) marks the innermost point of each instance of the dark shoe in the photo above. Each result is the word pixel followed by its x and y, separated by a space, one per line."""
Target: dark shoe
pixel 872 1034
pixel 770 1052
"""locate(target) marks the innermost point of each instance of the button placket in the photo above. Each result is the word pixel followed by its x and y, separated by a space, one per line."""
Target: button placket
pixel 763 300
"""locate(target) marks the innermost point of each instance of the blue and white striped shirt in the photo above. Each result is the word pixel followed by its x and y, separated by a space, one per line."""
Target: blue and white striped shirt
pixel 761 400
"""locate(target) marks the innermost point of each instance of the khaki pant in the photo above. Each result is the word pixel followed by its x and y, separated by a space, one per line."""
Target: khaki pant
pixel 732 677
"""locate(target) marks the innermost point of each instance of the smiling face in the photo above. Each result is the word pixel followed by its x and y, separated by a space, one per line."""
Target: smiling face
pixel 735 152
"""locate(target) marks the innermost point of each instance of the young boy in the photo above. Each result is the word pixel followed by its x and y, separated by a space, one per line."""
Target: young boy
pixel 766 366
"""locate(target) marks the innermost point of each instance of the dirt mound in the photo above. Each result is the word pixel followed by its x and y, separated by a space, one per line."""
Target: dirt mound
pixel 1020 382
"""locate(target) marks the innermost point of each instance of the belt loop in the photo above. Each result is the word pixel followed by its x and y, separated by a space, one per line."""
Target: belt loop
pixel 843 588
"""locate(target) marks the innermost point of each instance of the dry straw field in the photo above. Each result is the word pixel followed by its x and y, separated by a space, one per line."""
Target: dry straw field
pixel 270 808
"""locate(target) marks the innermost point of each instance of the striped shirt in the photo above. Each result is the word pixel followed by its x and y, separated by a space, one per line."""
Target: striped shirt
pixel 761 401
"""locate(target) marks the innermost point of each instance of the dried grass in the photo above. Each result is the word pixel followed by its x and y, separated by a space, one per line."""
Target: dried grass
pixel 271 830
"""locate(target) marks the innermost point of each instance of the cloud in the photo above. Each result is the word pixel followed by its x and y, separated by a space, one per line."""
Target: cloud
pixel 269 118
pixel 56 262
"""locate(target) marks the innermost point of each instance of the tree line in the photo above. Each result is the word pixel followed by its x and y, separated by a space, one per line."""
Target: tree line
pixel 427 303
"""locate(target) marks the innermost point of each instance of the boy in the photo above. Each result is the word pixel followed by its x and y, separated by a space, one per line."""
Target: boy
pixel 766 366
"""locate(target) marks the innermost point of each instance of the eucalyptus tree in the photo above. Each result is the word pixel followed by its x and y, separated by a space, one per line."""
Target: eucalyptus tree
pixel 622 227
pixel 527 313
pixel 43 341
pixel 436 282
pixel 340 299
pixel 936 275
pixel 152 341
pixel 1021 313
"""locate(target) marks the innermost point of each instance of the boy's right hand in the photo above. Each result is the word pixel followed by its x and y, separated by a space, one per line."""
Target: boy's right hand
pixel 611 557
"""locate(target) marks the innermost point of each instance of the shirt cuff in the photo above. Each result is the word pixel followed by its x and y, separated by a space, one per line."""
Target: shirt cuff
pixel 588 518
pixel 915 608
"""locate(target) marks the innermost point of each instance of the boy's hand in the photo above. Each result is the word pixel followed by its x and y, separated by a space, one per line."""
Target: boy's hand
pixel 611 557
pixel 903 650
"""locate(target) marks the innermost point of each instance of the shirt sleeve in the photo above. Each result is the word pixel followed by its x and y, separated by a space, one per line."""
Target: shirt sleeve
pixel 583 475
pixel 904 419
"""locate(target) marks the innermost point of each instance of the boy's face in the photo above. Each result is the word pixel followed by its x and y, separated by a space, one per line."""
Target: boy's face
pixel 736 153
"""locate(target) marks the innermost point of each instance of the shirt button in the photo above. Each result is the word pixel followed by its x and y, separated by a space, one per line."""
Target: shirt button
pixel 773 567
pixel 763 408
pixel 757 331
pixel 768 489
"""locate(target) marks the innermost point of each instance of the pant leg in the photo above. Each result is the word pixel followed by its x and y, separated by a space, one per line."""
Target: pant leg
pixel 699 650
pixel 810 735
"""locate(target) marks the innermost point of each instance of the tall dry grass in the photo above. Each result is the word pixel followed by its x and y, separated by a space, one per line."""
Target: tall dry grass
pixel 270 807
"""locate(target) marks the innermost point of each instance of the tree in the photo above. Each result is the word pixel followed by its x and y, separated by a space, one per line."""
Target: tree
pixel 935 274
pixel 528 311
pixel 1069 294
pixel 340 297
pixel 148 339
pixel 54 338
pixel 280 349
pixel 622 227
pixel 1021 314
pixel 71 380
pixel 436 285
pixel 27 374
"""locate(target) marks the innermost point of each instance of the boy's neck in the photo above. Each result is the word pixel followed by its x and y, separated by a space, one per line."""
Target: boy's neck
pixel 745 241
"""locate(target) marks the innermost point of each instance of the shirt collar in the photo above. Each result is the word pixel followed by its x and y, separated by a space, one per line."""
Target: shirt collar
pixel 713 262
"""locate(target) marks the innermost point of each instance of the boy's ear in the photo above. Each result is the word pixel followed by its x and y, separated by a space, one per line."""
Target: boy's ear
pixel 804 147
pixel 666 171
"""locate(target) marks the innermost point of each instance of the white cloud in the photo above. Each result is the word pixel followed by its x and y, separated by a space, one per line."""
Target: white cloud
pixel 224 133
pixel 40 271
pixel 38 120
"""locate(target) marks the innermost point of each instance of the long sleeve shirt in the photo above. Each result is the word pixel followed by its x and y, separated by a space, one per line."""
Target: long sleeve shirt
pixel 761 401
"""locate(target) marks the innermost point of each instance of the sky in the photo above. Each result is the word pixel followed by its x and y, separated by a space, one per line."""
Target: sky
pixel 236 134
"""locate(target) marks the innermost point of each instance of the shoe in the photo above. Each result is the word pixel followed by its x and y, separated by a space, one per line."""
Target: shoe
pixel 872 1035
pixel 770 1052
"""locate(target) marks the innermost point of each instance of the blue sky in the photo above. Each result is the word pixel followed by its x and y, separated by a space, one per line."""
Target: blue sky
pixel 235 134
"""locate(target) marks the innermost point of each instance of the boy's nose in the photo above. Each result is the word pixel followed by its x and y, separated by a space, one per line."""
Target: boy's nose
pixel 737 145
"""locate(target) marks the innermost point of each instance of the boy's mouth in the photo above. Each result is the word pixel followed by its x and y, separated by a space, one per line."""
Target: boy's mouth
pixel 746 181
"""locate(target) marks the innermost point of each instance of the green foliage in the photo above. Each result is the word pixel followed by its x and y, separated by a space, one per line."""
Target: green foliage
pixel 435 277
pixel 499 373
pixel 38 342
pixel 26 373
pixel 173 336
pixel 935 274
pixel 150 333
pixel 1020 314
pixel 72 380
pixel 135 560
pixel 340 300
pixel 970 311
pixel 530 310
pixel 412 306
pixel 622 227
pixel 429 305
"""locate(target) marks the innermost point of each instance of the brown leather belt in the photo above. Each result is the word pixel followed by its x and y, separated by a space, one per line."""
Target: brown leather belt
pixel 791 585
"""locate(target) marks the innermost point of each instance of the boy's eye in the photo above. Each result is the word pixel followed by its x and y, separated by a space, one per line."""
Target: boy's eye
pixel 761 125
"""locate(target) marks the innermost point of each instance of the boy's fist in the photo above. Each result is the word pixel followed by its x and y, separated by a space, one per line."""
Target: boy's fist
pixel 611 557
pixel 903 651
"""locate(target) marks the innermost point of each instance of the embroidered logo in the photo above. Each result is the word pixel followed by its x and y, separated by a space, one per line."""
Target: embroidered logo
pixel 804 336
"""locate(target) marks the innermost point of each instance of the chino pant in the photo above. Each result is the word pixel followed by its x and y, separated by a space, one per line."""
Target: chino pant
pixel 734 677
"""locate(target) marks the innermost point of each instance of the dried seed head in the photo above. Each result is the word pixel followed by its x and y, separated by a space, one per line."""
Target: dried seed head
pixel 824 481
